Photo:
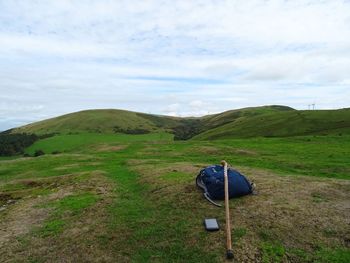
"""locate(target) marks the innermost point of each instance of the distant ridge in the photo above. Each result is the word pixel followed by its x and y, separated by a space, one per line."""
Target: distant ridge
pixel 268 121
pixel 283 124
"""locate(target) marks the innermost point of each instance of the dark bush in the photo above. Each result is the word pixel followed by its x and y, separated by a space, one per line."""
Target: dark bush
pixel 117 129
pixel 187 129
pixel 136 131
pixel 38 153
pixel 14 144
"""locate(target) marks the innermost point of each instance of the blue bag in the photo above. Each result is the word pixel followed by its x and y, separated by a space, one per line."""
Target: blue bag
pixel 211 181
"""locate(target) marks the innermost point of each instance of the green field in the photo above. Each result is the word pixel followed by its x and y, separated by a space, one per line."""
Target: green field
pixel 66 143
pixel 132 198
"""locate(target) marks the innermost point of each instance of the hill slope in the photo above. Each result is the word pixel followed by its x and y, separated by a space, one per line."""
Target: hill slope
pixel 190 127
pixel 121 121
pixel 270 121
pixel 101 121
pixel 217 120
pixel 283 123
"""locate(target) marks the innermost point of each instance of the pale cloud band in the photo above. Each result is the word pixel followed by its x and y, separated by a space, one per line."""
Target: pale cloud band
pixel 171 57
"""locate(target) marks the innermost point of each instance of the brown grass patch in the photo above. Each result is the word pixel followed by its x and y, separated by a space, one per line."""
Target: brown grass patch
pixel 285 208
pixel 245 152
pixel 20 220
pixel 300 212
pixel 109 148
pixel 211 150
pixel 67 166
pixel 82 238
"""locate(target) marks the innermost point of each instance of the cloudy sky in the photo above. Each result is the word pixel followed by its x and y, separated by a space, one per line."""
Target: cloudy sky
pixel 171 57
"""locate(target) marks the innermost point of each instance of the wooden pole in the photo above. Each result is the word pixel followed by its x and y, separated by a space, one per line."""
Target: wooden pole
pixel 229 252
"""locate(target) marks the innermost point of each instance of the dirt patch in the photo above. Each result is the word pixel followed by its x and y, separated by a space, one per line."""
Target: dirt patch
pixel 211 150
pixel 21 159
pixel 25 214
pixel 82 232
pixel 20 220
pixel 4 197
pixel 85 236
pixel 52 181
pixel 207 150
pixel 109 148
pixel 67 166
pixel 245 152
pixel 74 165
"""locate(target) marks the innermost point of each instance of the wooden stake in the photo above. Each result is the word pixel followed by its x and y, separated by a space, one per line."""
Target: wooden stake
pixel 229 252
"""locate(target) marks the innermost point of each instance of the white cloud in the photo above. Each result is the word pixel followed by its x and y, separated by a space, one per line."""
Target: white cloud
pixel 172 109
pixel 173 57
pixel 197 104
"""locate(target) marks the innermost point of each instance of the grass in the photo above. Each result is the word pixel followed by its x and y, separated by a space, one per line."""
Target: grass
pixel 37 167
pixel 78 141
pixel 52 227
pixel 296 155
pixel 175 176
pixel 272 252
pixel 323 255
pixel 301 155
pixel 332 255
pixel 73 205
pixel 148 209
pixel 238 233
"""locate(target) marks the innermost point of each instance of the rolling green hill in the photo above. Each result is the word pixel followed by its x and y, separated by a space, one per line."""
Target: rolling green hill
pixel 121 121
pixel 217 120
pixel 282 124
pixel 101 121
pixel 266 121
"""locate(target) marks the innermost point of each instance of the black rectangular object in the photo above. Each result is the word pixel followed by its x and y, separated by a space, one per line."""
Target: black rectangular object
pixel 211 224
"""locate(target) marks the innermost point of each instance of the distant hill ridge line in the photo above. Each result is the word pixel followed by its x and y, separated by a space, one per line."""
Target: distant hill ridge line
pixel 268 121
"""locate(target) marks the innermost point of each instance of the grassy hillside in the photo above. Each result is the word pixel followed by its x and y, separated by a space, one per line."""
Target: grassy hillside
pixel 267 121
pixel 216 120
pixel 121 121
pixel 282 124
pixel 101 121
pixel 190 127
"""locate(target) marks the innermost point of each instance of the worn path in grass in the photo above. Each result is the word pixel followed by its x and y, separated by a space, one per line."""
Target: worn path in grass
pixel 149 231
pixel 126 201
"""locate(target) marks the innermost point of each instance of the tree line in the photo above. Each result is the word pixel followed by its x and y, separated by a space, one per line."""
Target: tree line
pixel 187 129
pixel 14 144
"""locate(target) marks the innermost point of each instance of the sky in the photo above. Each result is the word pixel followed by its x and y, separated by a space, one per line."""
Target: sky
pixel 180 58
